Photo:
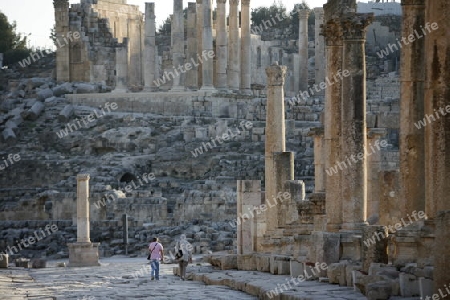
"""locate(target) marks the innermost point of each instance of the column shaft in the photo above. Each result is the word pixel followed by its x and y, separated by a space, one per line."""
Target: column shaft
pixel 234 47
pixel 121 67
pixel 62 28
pixel 150 47
pixel 246 58
pixel 83 234
pixel 199 41
pixel 319 48
pixel 303 15
pixel 208 61
pixel 192 74
pixel 221 45
pixel 178 45
pixel 353 122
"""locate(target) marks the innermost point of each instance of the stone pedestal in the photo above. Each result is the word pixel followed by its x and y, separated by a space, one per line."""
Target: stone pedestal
pixel 4 260
pixel 177 45
pixel 303 15
pixel 221 46
pixel 83 254
pixel 246 58
pixel 234 48
pixel 149 48
pixel 375 243
pixel 248 198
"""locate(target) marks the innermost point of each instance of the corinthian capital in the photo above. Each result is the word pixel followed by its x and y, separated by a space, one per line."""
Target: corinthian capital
pixel 60 3
pixel 332 31
pixel 246 2
pixel 234 2
pixel 83 177
pixel 354 27
pixel 276 74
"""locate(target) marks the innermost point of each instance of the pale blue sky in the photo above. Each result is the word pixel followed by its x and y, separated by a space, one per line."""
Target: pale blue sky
pixel 37 16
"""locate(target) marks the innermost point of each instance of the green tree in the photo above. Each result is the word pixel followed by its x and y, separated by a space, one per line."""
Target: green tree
pixel 12 44
pixel 274 16
pixel 294 19
pixel 166 27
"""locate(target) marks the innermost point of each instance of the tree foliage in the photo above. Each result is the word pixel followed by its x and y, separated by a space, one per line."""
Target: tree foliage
pixel 275 14
pixel 9 38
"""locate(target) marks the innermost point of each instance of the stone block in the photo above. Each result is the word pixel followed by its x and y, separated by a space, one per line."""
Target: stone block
pixel 246 262
pixel 23 263
pixel 426 287
pixel 273 265
pixel 39 263
pixel 296 268
pixel 228 262
pixel 409 285
pixel 336 273
pixel 83 254
pixel 284 267
pixel 349 273
pixel 262 263
pixel 379 290
pixel 4 260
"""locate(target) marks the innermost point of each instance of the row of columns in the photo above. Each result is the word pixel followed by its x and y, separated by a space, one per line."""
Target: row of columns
pixel 233 50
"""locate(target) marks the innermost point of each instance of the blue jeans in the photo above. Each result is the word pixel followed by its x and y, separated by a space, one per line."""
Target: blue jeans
pixel 155 268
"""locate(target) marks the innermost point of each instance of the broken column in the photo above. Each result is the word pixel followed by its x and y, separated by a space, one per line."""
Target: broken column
pixel 149 47
pixel 412 147
pixel 319 48
pixel 303 15
pixel 121 67
pixel 332 32
pixel 353 138
pixel 234 62
pixel 208 62
pixel 178 46
pixel 275 136
pixel 83 253
pixel 246 57
pixel 248 198
pixel 61 30
pixel 221 45
pixel 191 81
pixel 199 25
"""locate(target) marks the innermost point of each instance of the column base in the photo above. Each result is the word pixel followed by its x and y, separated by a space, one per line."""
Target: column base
pixel 83 254
pixel 149 89
pixel 207 90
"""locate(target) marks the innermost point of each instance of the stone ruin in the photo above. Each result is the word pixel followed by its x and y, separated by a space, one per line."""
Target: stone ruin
pixel 309 216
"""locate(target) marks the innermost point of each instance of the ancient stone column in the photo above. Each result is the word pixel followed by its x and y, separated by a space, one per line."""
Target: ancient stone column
pixel 374 148
pixel 234 60
pixel 83 233
pixel 178 46
pixel 192 74
pixel 199 25
pixel 353 122
pixel 62 28
pixel 412 148
pixel 221 45
pixel 275 135
pixel 319 157
pixel 319 48
pixel 303 15
pixel 208 63
pixel 246 57
pixel 149 47
pixel 121 67
pixel 332 32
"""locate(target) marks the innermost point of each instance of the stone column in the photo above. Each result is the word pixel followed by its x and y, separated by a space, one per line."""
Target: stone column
pixel 221 45
pixel 121 67
pixel 319 157
pixel 62 28
pixel 248 197
pixel 303 15
pixel 332 31
pixel 178 46
pixel 149 47
pixel 192 74
pixel 208 63
pixel 246 57
pixel 353 123
pixel 319 48
pixel 275 135
pixel 83 232
pixel 199 25
pixel 412 148
pixel 373 174
pixel 234 64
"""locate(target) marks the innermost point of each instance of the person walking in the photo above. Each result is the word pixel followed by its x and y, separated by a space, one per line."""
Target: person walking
pixel 156 255
pixel 183 254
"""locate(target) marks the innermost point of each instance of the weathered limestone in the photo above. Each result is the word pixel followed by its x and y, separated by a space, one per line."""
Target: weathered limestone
pixel 283 167
pixel 62 28
pixel 83 253
pixel 442 246
pixel 353 105
pixel 149 47
pixel 248 197
pixel 373 177
pixel 66 113
pixel 319 160
pixel 332 32
pixel 246 58
pixel 4 260
pixel 374 252
pixel 319 48
pixel 234 61
pixel 178 46
pixel 121 67
pixel 412 147
pixel 191 81
pixel 221 45
pixel 208 64
pixel 275 136
pixel 199 25
pixel 303 15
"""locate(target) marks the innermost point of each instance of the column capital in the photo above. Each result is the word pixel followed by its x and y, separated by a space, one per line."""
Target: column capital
pixel 150 10
pixel 413 2
pixel 354 27
pixel 60 3
pixel 199 1
pixel 221 1
pixel 303 13
pixel 276 74
pixel 192 6
pixel 83 177
pixel 319 12
pixel 332 31
pixel 246 2
pixel 234 2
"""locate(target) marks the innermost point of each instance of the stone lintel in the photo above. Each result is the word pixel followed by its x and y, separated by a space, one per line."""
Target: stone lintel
pixel 355 26
pixel 276 74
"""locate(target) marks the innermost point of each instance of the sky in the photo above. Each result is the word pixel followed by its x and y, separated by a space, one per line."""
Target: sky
pixel 36 17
